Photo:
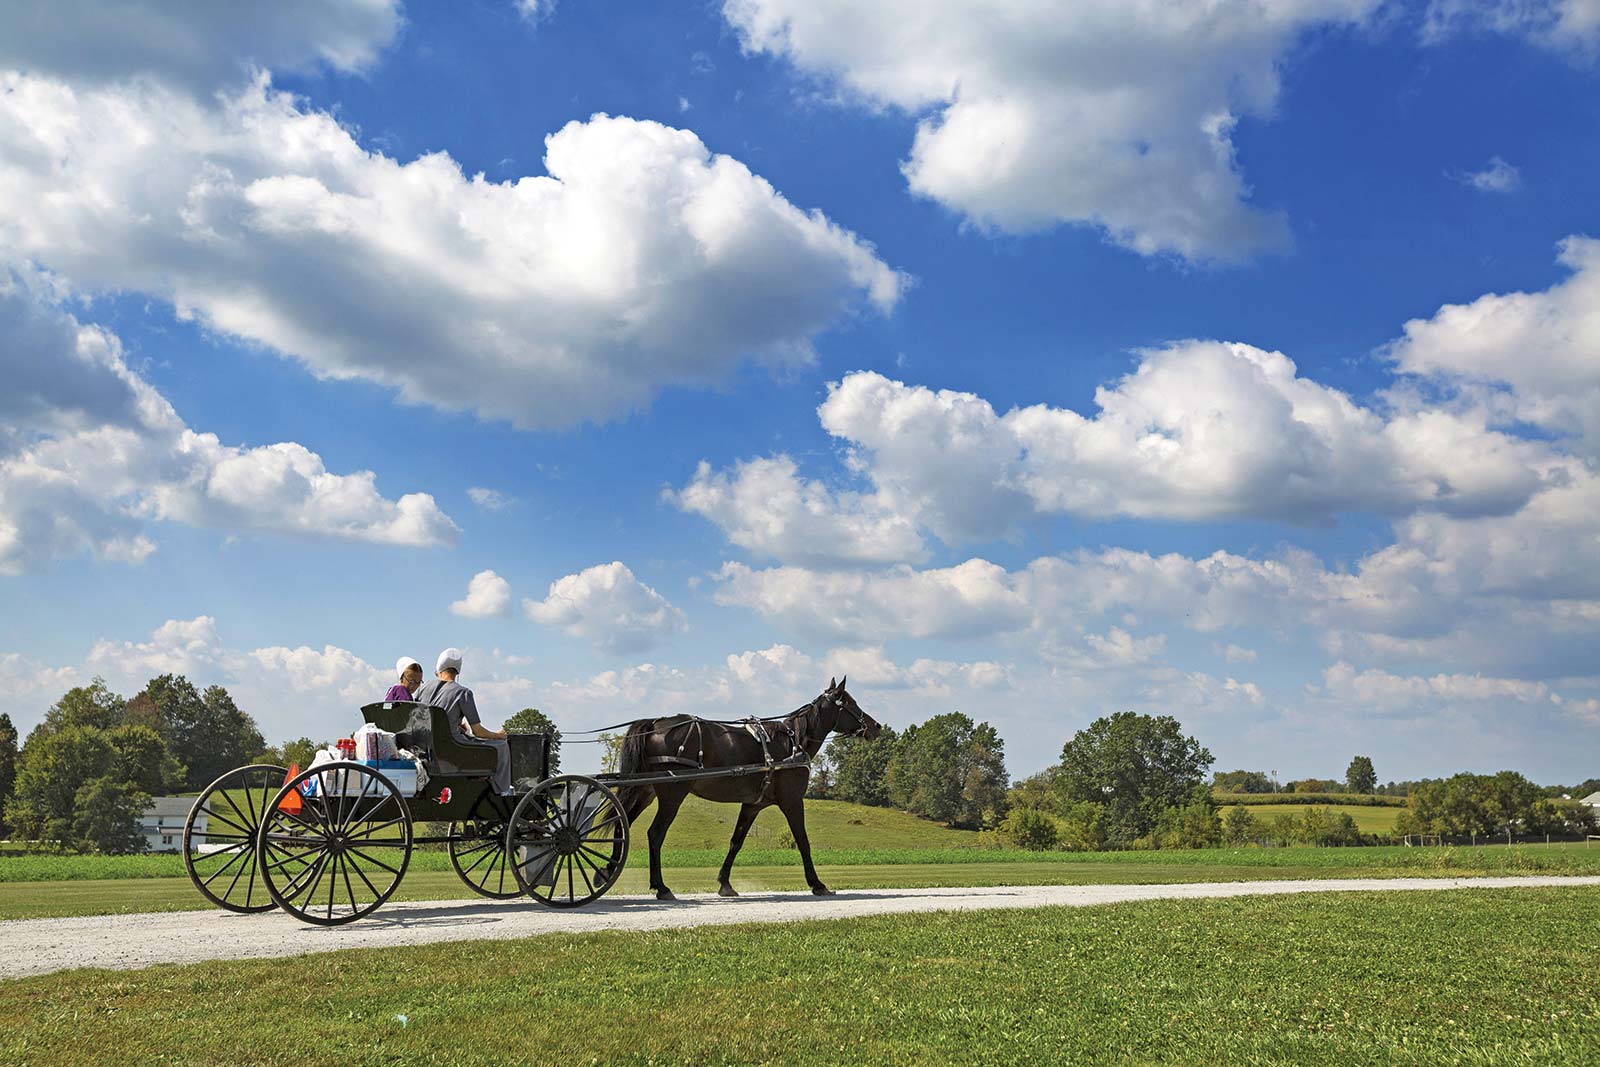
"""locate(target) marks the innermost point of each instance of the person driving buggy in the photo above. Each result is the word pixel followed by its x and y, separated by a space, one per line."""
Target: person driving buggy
pixel 461 711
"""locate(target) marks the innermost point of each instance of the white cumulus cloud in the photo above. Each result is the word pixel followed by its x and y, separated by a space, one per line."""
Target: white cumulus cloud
pixel 92 457
pixel 765 506
pixel 194 45
pixel 609 607
pixel 1568 26
pixel 1540 351
pixel 488 596
pixel 1102 112
pixel 641 259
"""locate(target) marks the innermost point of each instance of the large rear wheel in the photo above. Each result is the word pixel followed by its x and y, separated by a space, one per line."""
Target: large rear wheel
pixel 335 843
pixel 219 838
pixel 568 841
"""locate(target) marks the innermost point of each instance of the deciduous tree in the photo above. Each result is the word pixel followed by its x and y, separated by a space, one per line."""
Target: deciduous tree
pixel 534 721
pixel 1138 766
pixel 105 816
pixel 860 767
pixel 1360 777
pixel 951 770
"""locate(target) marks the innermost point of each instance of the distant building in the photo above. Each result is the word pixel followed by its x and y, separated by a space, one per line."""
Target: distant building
pixel 162 824
pixel 1593 800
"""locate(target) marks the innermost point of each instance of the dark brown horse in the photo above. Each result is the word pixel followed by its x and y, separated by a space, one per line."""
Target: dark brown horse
pixel 682 742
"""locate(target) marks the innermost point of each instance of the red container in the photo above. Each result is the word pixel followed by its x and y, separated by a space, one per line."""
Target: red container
pixel 346 747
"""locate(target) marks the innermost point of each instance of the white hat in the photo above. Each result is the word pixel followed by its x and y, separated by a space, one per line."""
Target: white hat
pixel 404 662
pixel 449 659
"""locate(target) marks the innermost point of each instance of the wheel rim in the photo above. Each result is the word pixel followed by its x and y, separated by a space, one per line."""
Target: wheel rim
pixel 568 841
pixel 232 807
pixel 478 851
pixel 344 853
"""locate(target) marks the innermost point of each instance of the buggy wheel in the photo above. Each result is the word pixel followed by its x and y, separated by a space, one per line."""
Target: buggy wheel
pixel 335 855
pixel 478 848
pixel 568 841
pixel 224 822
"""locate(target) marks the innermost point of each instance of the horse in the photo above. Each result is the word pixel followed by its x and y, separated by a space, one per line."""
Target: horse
pixel 688 742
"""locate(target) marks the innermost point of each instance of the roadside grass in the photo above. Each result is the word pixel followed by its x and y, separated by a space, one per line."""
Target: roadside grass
pixel 1478 978
pixel 1368 819
pixel 694 871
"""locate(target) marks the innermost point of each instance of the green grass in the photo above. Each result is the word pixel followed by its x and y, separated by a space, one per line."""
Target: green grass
pixel 1369 820
pixel 695 871
pixel 1476 978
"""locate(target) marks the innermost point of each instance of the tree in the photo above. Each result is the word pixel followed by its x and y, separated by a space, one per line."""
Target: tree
pixel 534 721
pixel 143 761
pixel 206 732
pixel 610 753
pixel 1360 777
pixel 1030 829
pixel 93 705
pixel 105 816
pixel 860 767
pixel 951 770
pixel 8 766
pixel 1194 825
pixel 1137 766
pixel 50 770
pixel 1082 827
pixel 1039 791
pixel 1239 825
pixel 1241 782
pixel 297 753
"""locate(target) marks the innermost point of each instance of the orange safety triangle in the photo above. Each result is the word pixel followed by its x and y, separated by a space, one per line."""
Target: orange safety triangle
pixel 291 803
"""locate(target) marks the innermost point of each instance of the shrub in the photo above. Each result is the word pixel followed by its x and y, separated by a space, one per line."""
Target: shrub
pixel 1030 829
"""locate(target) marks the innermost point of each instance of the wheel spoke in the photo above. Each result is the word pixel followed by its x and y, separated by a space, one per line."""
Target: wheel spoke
pixel 475 863
pixel 295 887
pixel 220 871
pixel 366 782
pixel 582 872
pixel 367 831
pixel 250 863
pixel 392 870
pixel 210 814
pixel 363 876
pixel 349 890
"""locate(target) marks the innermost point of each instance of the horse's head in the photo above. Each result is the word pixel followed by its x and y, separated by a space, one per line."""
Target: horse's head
pixel 849 718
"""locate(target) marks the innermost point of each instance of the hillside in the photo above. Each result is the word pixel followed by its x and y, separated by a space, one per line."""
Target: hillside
pixel 831 824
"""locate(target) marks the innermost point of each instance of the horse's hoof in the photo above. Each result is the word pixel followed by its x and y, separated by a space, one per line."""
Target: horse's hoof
pixel 821 891
pixel 665 894
pixel 726 891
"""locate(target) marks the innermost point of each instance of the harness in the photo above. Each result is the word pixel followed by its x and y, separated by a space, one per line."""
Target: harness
pixel 693 737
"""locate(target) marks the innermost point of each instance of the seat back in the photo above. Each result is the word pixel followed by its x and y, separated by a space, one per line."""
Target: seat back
pixel 425 730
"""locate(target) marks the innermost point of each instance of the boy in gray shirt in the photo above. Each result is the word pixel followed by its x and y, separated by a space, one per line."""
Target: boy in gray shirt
pixel 461 711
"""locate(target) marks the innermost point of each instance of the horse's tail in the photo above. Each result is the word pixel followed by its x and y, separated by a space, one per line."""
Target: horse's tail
pixel 630 760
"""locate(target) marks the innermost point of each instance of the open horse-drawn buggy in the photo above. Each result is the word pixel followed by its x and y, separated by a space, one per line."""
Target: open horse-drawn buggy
pixel 330 844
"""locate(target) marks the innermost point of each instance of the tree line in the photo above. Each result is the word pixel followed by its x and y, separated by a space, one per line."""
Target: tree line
pixel 87 771
pixel 1137 781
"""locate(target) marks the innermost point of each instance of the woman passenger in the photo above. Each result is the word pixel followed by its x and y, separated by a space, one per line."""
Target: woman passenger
pixel 410 672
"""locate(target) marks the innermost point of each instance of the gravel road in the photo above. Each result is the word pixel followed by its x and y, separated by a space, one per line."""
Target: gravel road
pixel 125 942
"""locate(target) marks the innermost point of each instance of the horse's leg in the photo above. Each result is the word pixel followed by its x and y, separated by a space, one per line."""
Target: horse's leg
pixel 747 816
pixel 667 803
pixel 793 807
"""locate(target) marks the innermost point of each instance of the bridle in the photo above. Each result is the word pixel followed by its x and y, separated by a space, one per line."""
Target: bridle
pixel 802 738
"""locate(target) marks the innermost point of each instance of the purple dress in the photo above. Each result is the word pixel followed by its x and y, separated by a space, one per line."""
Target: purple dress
pixel 396 692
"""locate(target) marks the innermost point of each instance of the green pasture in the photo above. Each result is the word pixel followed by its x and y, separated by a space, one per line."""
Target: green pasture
pixel 1368 819
pixel 1460 977
pixel 89 885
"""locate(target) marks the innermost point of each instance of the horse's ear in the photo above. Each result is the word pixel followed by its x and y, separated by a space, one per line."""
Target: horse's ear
pixel 841 683
pixel 832 684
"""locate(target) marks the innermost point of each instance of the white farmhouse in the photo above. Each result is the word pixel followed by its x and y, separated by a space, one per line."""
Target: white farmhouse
pixel 1593 800
pixel 162 824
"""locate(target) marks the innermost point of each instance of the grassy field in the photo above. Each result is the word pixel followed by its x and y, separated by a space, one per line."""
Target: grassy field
pixel 1369 820
pixel 692 871
pixel 1480 978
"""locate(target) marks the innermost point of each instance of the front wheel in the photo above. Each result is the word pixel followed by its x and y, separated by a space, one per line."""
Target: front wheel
pixel 335 843
pixel 568 841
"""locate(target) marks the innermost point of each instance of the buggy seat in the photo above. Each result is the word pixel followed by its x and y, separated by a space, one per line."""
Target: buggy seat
pixel 425 730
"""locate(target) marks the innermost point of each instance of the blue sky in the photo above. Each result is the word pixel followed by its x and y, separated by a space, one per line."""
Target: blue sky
pixel 1291 306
